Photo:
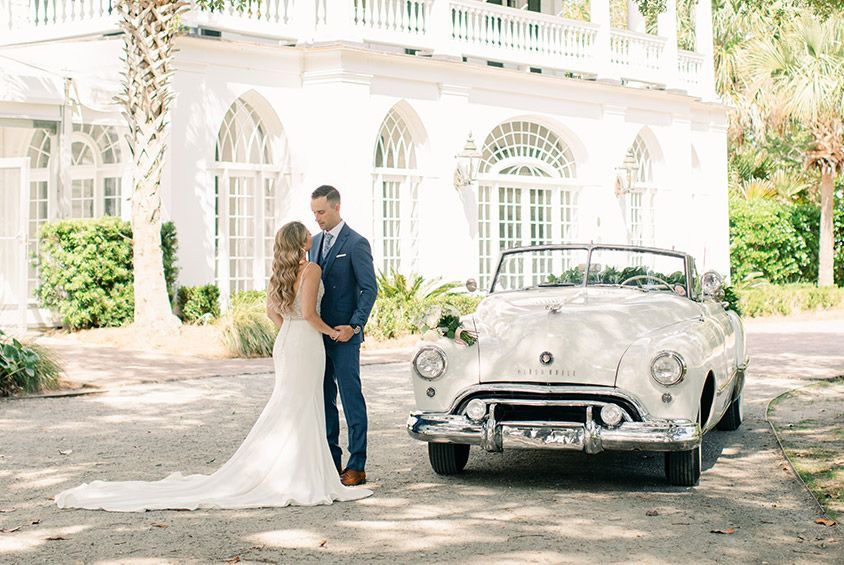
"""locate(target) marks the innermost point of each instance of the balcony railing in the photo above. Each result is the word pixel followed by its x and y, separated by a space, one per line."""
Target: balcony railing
pixel 447 28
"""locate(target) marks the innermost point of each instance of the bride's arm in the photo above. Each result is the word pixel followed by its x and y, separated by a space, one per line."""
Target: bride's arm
pixel 309 290
pixel 272 314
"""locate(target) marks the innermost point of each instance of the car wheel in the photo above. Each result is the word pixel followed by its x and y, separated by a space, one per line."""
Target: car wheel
pixel 682 468
pixel 448 458
pixel 732 418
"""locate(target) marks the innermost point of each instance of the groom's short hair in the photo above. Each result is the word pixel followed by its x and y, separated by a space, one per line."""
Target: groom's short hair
pixel 331 194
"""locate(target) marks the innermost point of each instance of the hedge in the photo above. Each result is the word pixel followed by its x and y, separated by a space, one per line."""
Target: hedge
pixel 85 269
pixel 780 241
pixel 767 300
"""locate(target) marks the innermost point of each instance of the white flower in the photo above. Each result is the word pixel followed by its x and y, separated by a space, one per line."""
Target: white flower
pixel 432 318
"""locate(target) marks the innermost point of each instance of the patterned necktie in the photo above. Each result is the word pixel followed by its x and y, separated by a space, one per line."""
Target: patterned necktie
pixel 326 245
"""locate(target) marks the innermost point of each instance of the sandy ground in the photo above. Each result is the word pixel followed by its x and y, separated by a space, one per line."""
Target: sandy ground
pixel 511 507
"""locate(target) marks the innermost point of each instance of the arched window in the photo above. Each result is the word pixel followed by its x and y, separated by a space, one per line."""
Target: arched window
pixel 638 204
pixel 396 181
pixel 247 192
pixel 527 194
pixel 96 172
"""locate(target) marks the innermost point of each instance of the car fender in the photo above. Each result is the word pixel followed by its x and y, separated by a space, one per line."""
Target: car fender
pixel 697 341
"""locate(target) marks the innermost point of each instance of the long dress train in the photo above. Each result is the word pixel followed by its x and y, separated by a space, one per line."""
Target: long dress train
pixel 284 459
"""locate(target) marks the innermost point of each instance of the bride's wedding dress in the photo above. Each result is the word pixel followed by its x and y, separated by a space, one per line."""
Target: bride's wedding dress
pixel 284 460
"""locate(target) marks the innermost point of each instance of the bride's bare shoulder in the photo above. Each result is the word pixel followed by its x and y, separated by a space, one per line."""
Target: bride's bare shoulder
pixel 312 269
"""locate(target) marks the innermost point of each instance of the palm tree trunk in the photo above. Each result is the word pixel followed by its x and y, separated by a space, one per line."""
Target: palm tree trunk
pixel 149 27
pixel 825 259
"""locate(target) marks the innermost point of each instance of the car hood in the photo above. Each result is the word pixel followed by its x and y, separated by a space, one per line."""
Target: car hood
pixel 586 330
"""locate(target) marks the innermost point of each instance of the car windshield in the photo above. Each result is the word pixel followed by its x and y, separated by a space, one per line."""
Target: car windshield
pixel 631 268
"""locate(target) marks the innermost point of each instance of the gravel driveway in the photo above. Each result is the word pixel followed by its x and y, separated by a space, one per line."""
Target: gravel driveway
pixel 511 507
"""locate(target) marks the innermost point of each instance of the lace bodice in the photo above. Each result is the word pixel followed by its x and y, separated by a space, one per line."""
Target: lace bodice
pixel 295 310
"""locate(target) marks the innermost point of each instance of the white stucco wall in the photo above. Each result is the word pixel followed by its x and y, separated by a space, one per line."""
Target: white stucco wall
pixel 325 103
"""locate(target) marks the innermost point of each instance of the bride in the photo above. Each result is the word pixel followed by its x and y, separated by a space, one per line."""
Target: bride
pixel 285 458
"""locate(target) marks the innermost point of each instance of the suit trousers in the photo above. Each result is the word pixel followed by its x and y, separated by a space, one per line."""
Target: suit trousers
pixel 342 371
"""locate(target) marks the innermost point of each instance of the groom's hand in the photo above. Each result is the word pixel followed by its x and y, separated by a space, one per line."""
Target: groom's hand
pixel 346 333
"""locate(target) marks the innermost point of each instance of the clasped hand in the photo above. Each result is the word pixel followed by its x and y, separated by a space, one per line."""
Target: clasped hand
pixel 345 333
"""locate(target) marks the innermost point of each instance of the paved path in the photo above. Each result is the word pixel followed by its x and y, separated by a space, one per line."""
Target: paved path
pixel 511 507
pixel 88 365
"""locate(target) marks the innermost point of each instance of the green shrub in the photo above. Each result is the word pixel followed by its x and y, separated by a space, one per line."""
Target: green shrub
pixel 86 270
pixel 766 300
pixel 780 240
pixel 194 302
pixel 245 327
pixel 26 367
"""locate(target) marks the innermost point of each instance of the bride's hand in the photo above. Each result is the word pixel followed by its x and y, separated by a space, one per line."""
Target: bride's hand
pixel 334 335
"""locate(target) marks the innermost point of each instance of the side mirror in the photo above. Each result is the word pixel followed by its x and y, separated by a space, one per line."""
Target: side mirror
pixel 471 285
pixel 711 285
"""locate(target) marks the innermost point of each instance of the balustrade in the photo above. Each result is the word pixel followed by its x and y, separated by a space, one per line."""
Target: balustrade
pixel 467 28
pixel 399 16
pixel 498 31
pixel 638 55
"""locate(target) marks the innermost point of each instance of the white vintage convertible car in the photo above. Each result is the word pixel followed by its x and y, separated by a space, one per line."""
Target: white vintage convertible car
pixel 587 348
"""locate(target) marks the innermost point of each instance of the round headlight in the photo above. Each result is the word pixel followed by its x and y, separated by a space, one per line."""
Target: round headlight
pixel 668 368
pixel 430 363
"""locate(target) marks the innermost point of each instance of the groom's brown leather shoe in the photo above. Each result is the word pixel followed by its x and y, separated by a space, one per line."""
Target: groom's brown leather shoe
pixel 351 478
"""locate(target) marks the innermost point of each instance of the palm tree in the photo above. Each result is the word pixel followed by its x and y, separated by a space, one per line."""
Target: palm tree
pixel 799 77
pixel 149 30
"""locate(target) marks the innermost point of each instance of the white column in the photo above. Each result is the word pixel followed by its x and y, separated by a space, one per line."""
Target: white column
pixel 667 28
pixel 704 46
pixel 600 15
pixel 65 156
pixel 635 19
pixel 439 23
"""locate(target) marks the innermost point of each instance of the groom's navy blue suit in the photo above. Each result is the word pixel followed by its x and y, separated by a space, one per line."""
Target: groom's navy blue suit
pixel 350 290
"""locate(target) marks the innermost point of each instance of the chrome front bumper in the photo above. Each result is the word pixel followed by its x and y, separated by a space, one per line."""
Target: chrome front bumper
pixel 492 435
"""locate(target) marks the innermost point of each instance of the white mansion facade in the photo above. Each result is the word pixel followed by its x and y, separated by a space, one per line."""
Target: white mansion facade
pixel 584 131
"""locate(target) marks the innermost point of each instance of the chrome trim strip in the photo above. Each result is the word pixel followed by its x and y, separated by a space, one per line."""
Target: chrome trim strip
pixel 589 404
pixel 494 436
pixel 516 388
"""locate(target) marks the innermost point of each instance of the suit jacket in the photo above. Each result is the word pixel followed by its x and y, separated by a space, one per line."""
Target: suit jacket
pixel 349 278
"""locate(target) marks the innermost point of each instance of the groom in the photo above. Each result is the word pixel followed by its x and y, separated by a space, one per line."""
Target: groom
pixel 350 290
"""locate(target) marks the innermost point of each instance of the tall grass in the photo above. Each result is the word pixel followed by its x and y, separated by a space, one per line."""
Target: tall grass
pixel 245 328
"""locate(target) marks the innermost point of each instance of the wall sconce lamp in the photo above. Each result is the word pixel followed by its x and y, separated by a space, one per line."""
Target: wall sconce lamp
pixel 626 175
pixel 466 172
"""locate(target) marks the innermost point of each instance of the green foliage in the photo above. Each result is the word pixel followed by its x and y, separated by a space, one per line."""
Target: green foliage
pixel 245 327
pixel 766 300
pixel 25 368
pixel 780 241
pixel 196 303
pixel 169 247
pixel 414 287
pixel 86 270
pixel 394 317
pixel 732 300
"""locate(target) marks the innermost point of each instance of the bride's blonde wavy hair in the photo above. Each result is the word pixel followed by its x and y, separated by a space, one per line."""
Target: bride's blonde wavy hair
pixel 288 251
